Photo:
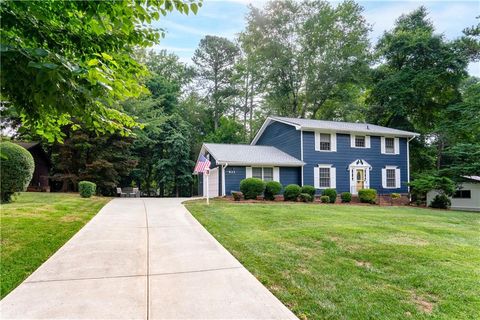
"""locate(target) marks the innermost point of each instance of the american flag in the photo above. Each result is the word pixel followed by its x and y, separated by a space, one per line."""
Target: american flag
pixel 203 164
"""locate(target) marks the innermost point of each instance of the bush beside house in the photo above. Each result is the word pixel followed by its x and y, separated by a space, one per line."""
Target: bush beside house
pixel 16 170
pixel 272 188
pixel 367 195
pixel 331 194
pixel 252 188
pixel 346 197
pixel 291 192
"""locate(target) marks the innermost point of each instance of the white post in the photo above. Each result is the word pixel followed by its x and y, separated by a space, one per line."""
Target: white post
pixel 207 173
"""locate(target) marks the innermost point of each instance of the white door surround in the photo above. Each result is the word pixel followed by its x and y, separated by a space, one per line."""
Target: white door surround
pixel 359 168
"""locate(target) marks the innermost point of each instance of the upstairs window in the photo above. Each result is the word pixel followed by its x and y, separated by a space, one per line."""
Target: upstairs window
pixel 325 144
pixel 463 194
pixel 360 141
pixel 390 145
pixel 391 178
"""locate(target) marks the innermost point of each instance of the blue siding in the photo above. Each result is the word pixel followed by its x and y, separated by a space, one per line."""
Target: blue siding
pixel 290 175
pixel 346 155
pixel 283 137
pixel 233 176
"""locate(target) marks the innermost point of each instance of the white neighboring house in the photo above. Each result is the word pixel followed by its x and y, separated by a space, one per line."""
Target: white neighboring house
pixel 467 197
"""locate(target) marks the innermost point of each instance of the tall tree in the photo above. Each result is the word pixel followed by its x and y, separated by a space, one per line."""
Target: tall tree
pixel 65 60
pixel 419 77
pixel 214 60
pixel 308 52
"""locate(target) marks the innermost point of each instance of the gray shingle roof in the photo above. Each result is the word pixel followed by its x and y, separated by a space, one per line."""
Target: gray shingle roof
pixel 250 155
pixel 344 126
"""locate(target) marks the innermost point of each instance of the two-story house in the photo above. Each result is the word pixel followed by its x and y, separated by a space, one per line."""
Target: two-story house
pixel 325 154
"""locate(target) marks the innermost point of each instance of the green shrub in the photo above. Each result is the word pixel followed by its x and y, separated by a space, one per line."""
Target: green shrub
pixel 16 170
pixel 87 189
pixel 237 196
pixel 252 188
pixel 291 192
pixel 309 189
pixel 396 195
pixel 325 199
pixel 440 201
pixel 367 195
pixel 331 193
pixel 346 197
pixel 305 197
pixel 272 188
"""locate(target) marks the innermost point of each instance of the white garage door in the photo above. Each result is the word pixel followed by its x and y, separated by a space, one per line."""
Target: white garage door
pixel 212 184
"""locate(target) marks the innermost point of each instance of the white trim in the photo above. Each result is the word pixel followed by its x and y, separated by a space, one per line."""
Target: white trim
pixel 276 174
pixel 333 141
pixel 397 177
pixel 352 141
pixel 408 163
pixel 352 172
pixel 301 155
pixel 263 172
pixel 248 172
pixel 396 146
pixel 333 176
pixel 223 179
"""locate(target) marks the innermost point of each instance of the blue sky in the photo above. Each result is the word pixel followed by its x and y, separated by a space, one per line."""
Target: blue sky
pixel 226 18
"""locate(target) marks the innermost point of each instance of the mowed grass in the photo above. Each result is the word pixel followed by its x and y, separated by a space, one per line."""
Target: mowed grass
pixel 355 262
pixel 35 226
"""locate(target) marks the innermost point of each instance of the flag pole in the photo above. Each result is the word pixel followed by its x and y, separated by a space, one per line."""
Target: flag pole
pixel 207 173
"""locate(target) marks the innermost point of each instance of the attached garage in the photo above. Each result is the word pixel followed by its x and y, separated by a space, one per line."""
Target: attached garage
pixel 232 163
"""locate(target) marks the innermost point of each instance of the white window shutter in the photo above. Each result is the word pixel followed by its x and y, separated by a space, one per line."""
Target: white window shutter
pixel 382 145
pixel 316 177
pixel 317 141
pixel 367 141
pixel 248 172
pixel 276 174
pixel 333 142
pixel 397 178
pixel 397 146
pixel 333 178
pixel 384 178
pixel 352 140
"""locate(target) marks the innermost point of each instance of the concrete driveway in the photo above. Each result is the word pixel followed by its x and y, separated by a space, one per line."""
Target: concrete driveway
pixel 142 259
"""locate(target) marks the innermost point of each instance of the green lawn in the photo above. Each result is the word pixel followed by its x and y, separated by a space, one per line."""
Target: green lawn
pixel 35 226
pixel 355 262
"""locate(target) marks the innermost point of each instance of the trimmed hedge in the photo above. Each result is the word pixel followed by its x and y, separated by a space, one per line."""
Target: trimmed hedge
pixel 331 193
pixel 367 195
pixel 440 201
pixel 252 187
pixel 346 197
pixel 87 189
pixel 309 189
pixel 272 188
pixel 305 197
pixel 325 199
pixel 291 192
pixel 16 170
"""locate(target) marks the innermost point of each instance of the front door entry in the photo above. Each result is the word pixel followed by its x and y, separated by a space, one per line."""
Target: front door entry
pixel 360 178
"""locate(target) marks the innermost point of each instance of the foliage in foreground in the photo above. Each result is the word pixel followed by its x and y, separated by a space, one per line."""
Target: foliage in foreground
pixel 16 169
pixel 252 188
pixel 87 189
pixel 291 192
pixel 272 188
pixel 351 262
pixel 367 196
pixel 37 225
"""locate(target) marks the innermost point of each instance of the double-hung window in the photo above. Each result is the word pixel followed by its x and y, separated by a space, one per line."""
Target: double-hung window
pixel 390 145
pixel 391 178
pixel 324 177
pixel 360 142
pixel 325 141
pixel 463 194
pixel 264 173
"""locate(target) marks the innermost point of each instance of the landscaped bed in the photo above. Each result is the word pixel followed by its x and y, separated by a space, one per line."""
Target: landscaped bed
pixel 35 226
pixel 355 262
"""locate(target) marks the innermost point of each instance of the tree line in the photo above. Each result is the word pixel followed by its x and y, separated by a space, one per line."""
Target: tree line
pixel 294 58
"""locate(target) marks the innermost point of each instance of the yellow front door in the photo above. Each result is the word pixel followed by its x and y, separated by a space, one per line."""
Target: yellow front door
pixel 360 179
